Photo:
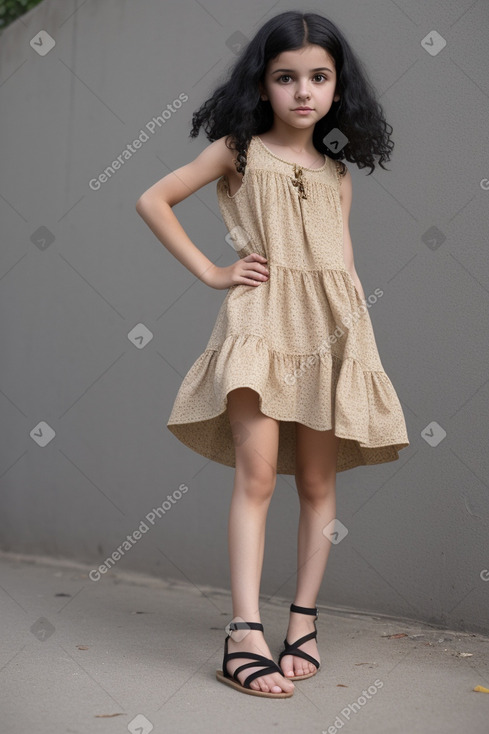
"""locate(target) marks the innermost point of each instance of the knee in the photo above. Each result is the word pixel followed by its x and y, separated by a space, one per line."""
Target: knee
pixel 258 484
pixel 314 486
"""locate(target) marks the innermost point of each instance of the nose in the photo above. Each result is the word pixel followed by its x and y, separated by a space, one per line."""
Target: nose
pixel 302 92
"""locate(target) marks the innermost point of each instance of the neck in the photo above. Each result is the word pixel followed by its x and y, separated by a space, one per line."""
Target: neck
pixel 300 141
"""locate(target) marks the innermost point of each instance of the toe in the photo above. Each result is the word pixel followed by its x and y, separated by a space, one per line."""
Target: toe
pixel 258 684
pixel 273 684
pixel 287 666
pixel 279 684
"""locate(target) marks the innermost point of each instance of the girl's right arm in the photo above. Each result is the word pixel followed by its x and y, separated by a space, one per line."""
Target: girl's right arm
pixel 155 207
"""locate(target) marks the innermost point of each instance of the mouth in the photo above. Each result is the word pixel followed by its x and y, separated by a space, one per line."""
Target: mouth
pixel 303 108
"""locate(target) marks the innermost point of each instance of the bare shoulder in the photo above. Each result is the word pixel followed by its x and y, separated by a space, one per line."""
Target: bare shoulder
pixel 214 161
pixel 219 155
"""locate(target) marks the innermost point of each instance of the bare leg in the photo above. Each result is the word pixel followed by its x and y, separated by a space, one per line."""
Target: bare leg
pixel 316 485
pixel 256 447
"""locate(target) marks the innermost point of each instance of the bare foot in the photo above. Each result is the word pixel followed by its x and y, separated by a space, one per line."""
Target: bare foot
pixel 300 625
pixel 254 641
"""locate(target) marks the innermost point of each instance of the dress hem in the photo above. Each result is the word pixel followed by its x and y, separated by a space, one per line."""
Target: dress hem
pixel 193 435
pixel 286 420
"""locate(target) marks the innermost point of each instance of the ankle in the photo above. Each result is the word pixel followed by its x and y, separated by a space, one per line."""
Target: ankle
pixel 300 620
pixel 307 604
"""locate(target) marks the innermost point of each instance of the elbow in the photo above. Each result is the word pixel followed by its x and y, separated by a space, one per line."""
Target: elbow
pixel 143 205
pixel 148 202
pixel 140 204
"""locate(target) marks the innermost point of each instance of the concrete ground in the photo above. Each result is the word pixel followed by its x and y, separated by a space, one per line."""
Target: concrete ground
pixel 138 654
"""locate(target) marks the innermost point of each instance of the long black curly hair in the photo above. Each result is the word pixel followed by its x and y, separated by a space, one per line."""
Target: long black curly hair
pixel 236 110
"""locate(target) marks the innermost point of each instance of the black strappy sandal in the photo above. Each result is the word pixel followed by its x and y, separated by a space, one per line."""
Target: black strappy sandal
pixel 233 681
pixel 293 649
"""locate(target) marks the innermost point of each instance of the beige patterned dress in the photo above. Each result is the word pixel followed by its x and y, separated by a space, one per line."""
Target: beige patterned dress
pixel 303 339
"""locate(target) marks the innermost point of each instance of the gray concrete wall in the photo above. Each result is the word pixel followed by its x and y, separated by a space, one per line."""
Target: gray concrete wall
pixel 80 269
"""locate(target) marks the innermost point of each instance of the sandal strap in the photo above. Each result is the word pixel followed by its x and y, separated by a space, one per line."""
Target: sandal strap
pixel 260 659
pixel 293 649
pixel 297 643
pixel 304 610
pixel 247 655
pixel 271 667
pixel 299 654
pixel 256 660
pixel 246 626
pixel 267 671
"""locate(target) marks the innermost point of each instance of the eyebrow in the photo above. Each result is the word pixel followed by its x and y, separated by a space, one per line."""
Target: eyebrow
pixel 320 68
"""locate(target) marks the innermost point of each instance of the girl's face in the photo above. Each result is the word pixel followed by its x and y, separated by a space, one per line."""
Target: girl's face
pixel 305 77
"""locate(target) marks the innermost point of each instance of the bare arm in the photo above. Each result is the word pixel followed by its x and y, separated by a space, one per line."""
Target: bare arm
pixel 155 207
pixel 346 198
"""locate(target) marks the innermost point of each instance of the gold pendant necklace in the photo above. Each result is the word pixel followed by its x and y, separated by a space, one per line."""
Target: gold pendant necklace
pixel 297 181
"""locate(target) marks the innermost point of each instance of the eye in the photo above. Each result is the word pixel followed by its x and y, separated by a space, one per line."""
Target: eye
pixel 287 76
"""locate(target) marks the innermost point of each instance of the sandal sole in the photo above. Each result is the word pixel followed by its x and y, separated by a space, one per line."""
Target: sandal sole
pixel 222 678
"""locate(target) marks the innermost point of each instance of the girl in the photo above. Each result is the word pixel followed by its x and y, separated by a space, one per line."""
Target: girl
pixel 291 381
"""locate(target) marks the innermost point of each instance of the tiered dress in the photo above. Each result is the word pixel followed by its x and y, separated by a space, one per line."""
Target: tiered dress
pixel 303 339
